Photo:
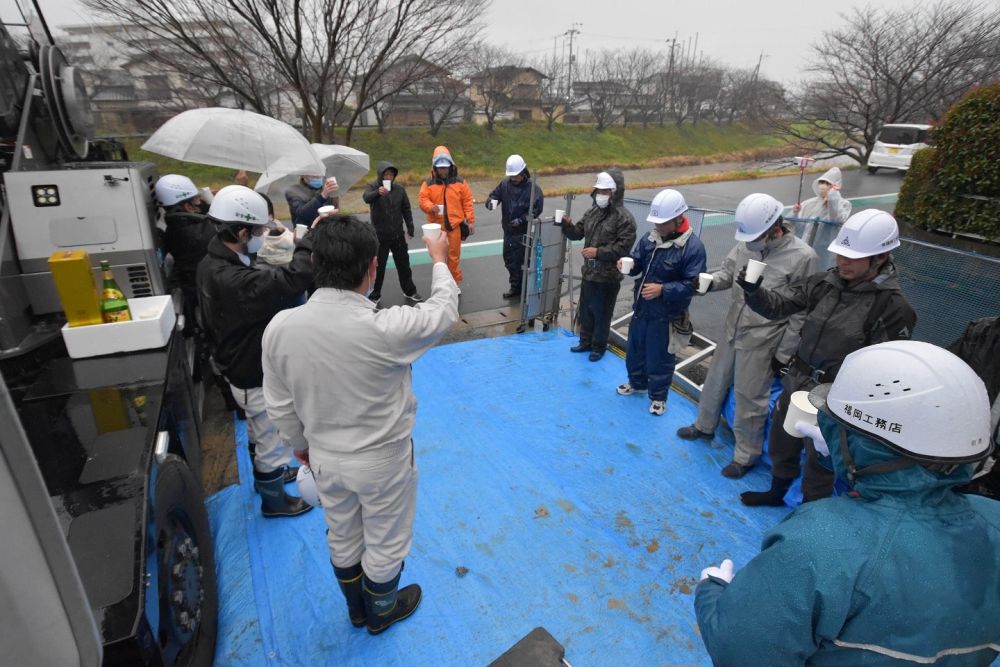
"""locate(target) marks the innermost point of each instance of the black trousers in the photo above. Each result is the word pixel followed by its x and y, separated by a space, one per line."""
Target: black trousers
pixel 513 257
pixel 401 257
pixel 597 305
pixel 786 451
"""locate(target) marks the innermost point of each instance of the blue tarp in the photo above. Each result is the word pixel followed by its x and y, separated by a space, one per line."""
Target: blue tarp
pixel 544 499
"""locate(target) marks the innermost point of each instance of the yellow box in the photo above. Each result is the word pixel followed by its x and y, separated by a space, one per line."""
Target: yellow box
pixel 74 280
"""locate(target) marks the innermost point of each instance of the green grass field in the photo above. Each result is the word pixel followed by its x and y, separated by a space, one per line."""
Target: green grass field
pixel 480 153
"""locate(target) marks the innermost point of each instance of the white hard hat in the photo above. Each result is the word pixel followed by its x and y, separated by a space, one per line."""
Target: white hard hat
pixel 515 165
pixel 238 204
pixel 667 205
pixel 866 234
pixel 172 189
pixel 306 482
pixel 755 215
pixel 605 182
pixel 918 399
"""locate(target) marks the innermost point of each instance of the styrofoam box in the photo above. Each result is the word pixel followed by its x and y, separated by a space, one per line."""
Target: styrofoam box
pixel 152 321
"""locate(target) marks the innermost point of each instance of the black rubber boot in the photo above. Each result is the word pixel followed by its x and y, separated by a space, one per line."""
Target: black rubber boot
pixel 773 497
pixel 349 579
pixel 385 604
pixel 274 502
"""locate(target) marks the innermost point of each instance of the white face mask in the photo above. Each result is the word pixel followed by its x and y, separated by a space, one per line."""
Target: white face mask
pixel 255 244
pixel 602 201
pixel 371 284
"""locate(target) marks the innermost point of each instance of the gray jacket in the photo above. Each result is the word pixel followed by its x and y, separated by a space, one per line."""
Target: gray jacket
pixel 835 208
pixel 304 203
pixel 789 259
pixel 839 319
pixel 611 230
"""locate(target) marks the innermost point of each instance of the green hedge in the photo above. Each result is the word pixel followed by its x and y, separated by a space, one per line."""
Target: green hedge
pixel 965 161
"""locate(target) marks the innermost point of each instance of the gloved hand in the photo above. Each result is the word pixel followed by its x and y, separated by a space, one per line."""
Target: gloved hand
pixel 749 288
pixel 777 367
pixel 696 283
pixel 724 572
pixel 489 204
pixel 516 222
pixel 812 432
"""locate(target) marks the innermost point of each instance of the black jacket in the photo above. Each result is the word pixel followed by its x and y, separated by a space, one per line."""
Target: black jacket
pixel 237 302
pixel 304 203
pixel 390 212
pixel 611 230
pixel 186 239
pixel 514 201
pixel 839 319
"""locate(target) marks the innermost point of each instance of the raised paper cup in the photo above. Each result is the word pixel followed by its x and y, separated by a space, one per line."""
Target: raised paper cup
pixel 387 185
pixel 704 280
pixel 300 230
pixel 440 208
pixel 560 214
pixel 326 210
pixel 627 264
pixel 432 230
pixel 754 270
pixel 799 410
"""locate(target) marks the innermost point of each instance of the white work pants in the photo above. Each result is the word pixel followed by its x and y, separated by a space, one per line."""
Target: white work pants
pixel 270 451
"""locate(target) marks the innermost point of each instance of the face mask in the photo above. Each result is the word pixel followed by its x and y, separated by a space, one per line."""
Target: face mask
pixel 602 201
pixel 315 183
pixel 255 244
pixel 203 208
pixel 371 285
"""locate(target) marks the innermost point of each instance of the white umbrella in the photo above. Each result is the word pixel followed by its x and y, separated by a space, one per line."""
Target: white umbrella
pixel 234 138
pixel 347 165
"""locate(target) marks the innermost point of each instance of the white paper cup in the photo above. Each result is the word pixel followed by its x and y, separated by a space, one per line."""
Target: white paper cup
pixel 440 208
pixel 387 185
pixel 754 270
pixel 560 214
pixel 704 280
pixel 799 410
pixel 326 210
pixel 334 182
pixel 627 264
pixel 432 230
pixel 300 231
pixel 494 203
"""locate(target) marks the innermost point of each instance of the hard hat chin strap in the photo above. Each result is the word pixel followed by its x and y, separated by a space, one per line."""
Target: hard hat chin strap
pixel 853 472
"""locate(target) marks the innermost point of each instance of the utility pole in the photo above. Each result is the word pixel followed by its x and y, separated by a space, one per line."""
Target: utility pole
pixel 571 32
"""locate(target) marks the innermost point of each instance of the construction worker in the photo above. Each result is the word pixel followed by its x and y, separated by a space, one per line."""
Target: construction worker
pixel 237 300
pixel 753 348
pixel 514 194
pixel 447 200
pixel 390 213
pixel 828 210
pixel 668 259
pixel 857 304
pixel 904 570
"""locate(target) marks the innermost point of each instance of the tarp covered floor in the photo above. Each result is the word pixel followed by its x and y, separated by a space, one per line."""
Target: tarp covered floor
pixel 545 499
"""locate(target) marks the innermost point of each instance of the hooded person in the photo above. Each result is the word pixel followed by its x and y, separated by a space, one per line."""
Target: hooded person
pixel 666 262
pixel 753 347
pixel 447 200
pixel 188 233
pixel 903 570
pixel 858 303
pixel 828 210
pixel 516 194
pixel 608 232
pixel 390 212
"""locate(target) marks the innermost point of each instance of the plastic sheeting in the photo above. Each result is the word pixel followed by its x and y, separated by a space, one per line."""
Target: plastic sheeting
pixel 544 499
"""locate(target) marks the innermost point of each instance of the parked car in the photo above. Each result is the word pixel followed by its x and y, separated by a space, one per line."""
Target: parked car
pixel 895 146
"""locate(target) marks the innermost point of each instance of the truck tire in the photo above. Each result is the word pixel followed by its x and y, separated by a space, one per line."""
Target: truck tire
pixel 187 594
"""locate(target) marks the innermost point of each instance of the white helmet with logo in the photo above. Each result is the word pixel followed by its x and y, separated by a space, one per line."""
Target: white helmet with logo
pixel 755 215
pixel 866 234
pixel 667 205
pixel 238 204
pixel 605 182
pixel 306 483
pixel 515 165
pixel 918 399
pixel 172 189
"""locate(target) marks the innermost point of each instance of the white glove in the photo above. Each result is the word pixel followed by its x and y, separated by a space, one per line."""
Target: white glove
pixel 724 572
pixel 812 432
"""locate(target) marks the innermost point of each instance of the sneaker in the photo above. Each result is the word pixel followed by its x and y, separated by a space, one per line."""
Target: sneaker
pixel 627 389
pixel 735 470
pixel 415 297
pixel 657 408
pixel 692 433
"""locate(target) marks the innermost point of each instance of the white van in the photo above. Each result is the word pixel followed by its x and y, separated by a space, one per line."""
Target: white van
pixel 895 146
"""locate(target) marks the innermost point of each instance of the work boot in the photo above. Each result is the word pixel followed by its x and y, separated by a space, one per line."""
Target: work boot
pixel 596 355
pixel 349 579
pixel 512 293
pixel 385 604
pixel 274 502
pixel 773 497
pixel 580 347
pixel 693 433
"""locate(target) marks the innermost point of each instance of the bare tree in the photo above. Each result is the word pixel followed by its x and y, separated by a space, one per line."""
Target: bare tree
pixel 442 97
pixel 331 55
pixel 603 87
pixel 555 101
pixel 888 66
pixel 493 81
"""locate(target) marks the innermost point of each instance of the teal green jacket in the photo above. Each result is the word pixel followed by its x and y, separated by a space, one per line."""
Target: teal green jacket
pixel 903 571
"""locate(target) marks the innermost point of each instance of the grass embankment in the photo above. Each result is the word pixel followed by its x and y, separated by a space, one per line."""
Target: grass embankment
pixel 566 149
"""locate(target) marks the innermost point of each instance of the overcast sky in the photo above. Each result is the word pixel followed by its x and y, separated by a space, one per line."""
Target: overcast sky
pixel 734 32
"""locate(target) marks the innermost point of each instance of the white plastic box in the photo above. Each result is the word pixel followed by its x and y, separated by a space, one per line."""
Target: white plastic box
pixel 153 319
